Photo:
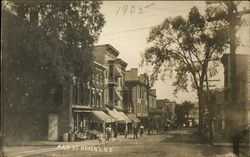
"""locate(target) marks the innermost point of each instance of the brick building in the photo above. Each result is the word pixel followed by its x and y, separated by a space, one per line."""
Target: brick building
pixel 138 97
pixel 236 114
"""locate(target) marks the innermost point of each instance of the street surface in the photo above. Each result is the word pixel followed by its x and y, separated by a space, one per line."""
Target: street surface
pixel 178 143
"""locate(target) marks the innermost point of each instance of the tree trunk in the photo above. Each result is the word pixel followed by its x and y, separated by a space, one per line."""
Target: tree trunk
pixel 201 110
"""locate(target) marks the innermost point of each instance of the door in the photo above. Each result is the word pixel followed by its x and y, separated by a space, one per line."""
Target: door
pixel 53 127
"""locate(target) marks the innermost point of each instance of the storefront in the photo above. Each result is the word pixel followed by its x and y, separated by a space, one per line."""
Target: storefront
pixel 135 121
pixel 89 123
pixel 120 118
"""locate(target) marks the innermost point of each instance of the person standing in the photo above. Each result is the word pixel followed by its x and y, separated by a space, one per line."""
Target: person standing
pixel 116 130
pixel 135 129
pixel 141 130
pixel 108 132
pixel 126 131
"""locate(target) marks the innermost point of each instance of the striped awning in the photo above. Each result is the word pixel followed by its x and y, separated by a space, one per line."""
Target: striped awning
pixel 133 118
pixel 118 116
pixel 100 116
pixel 125 117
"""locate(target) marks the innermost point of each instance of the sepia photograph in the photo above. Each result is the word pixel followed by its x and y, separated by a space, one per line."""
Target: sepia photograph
pixel 83 78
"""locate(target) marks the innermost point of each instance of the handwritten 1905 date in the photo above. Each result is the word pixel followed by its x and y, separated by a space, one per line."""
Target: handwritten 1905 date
pixel 125 9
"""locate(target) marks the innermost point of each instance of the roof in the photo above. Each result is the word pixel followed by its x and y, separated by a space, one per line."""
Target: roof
pixel 122 62
pixel 110 48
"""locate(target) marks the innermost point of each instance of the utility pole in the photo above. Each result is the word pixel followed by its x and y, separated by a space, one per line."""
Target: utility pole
pixel 147 84
pixel 233 17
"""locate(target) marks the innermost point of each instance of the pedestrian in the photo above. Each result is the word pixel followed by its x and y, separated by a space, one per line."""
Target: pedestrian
pixel 109 132
pixel 115 130
pixel 157 129
pixel 135 129
pixel 126 131
pixel 141 130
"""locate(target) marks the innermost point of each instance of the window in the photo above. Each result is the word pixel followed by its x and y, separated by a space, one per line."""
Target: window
pixel 121 79
pixel 110 94
pixel 111 71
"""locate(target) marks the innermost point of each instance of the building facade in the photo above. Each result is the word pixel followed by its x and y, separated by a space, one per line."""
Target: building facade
pixel 114 76
pixel 137 98
pixel 236 114
pixel 169 108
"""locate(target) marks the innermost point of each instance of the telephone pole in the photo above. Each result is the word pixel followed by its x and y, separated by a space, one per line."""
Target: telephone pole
pixel 233 18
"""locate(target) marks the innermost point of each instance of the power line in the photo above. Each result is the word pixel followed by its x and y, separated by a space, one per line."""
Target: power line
pixel 148 27
pixel 131 30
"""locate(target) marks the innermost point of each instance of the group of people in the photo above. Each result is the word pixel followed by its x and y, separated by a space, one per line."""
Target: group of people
pixel 136 129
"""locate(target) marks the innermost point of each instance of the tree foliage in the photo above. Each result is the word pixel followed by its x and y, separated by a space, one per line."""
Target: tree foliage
pixel 182 112
pixel 188 49
pixel 45 42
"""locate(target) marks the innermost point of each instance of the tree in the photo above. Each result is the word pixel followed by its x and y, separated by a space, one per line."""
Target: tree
pixel 182 112
pixel 45 42
pixel 188 48
pixel 187 105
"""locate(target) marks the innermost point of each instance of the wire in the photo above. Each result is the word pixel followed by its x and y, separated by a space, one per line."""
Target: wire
pixel 131 30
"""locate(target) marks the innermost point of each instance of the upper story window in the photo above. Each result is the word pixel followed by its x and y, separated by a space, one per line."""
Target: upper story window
pixel 111 71
pixel 111 97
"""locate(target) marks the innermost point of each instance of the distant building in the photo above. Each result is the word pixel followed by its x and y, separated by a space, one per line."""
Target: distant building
pixel 216 107
pixel 138 96
pixel 152 98
pixel 168 106
pixel 236 114
pixel 193 116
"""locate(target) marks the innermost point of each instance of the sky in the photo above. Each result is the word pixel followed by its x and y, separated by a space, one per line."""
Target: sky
pixel 127 28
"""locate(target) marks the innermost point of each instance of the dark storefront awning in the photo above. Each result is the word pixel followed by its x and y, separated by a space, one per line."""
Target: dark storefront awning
pixel 133 118
pixel 156 111
pixel 100 116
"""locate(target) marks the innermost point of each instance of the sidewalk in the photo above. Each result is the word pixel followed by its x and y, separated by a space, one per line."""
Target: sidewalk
pixel 228 144
pixel 38 147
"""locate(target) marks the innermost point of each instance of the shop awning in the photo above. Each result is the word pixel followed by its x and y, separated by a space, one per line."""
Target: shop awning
pixel 125 117
pixel 100 116
pixel 133 118
pixel 118 116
